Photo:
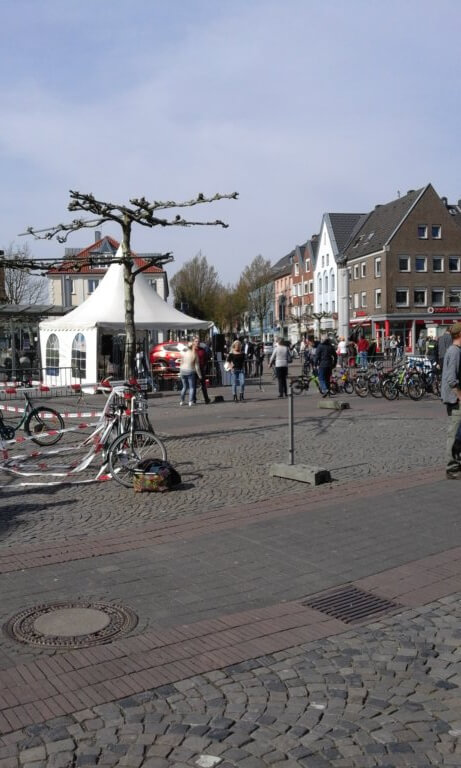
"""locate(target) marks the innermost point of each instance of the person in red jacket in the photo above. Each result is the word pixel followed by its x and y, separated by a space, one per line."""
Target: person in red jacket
pixel 362 349
pixel 203 355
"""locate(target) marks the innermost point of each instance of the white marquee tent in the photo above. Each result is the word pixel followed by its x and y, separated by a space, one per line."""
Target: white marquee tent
pixel 75 337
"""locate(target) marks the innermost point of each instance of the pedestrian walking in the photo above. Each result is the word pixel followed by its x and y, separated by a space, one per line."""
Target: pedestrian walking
pixel 341 351
pixel 204 354
pixel 451 396
pixel 362 349
pixel 443 343
pixel 280 358
pixel 236 359
pixel 325 360
pixel 189 371
pixel 259 360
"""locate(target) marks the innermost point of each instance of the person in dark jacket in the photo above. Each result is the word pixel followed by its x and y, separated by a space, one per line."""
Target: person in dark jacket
pixel 325 360
pixel 444 341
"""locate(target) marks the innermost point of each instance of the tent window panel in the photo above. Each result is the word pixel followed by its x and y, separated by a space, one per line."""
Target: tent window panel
pixel 52 355
pixel 78 360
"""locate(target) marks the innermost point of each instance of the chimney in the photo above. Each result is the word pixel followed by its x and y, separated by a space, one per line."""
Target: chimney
pixel 410 191
pixel 97 235
pixel 445 201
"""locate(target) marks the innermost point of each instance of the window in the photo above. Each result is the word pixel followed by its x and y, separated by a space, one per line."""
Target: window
pixel 349 272
pixel 323 259
pixel 437 264
pixel 363 269
pixel 378 298
pixel 404 263
pixel 356 300
pixel 363 299
pixel 333 306
pixel 453 263
pixel 325 282
pixel 320 285
pixel 52 355
pixel 420 264
pixel 78 357
pixel 326 307
pixel 307 265
pixel 311 286
pixel 422 231
pixel 328 259
pixel 438 296
pixel 296 269
pixel 332 280
pixel 420 297
pixel 306 287
pixel 356 271
pixel 401 297
pixel 436 231
pixel 300 289
pixel 454 297
pixel 92 285
pixel 377 267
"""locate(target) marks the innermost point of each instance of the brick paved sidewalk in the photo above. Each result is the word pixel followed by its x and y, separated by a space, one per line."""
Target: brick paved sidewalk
pixel 228 665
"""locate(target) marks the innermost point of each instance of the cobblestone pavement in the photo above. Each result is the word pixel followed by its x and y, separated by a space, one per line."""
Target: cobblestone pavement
pixel 213 445
pixel 385 695
pixel 228 666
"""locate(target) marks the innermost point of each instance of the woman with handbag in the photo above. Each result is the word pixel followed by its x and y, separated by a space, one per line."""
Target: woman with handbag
pixel 236 363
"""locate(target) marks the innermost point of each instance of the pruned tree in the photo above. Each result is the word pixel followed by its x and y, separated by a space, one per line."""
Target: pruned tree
pixel 21 285
pixel 139 211
pixel 196 287
pixel 257 280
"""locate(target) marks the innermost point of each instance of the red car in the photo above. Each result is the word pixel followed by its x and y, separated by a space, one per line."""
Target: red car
pixel 166 356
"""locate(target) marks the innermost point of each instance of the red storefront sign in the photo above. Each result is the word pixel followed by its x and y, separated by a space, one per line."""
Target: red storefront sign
pixel 442 310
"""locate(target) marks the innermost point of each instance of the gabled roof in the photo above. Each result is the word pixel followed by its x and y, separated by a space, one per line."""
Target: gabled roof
pixel 106 245
pixel 379 226
pixel 105 308
pixel 283 265
pixel 340 226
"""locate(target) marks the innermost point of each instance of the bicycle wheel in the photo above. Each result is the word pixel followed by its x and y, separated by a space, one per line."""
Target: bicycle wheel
pixel 127 450
pixel 361 386
pixel 297 387
pixel 40 422
pixel 334 389
pixel 348 387
pixel 390 389
pixel 415 388
pixel 374 385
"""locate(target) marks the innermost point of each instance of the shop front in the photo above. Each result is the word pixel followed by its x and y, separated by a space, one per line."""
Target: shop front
pixel 413 329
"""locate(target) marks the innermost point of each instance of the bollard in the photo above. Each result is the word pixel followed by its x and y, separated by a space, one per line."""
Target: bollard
pixel 304 473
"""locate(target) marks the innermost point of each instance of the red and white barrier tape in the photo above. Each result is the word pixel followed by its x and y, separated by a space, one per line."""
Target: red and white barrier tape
pixel 51 433
pixel 69 415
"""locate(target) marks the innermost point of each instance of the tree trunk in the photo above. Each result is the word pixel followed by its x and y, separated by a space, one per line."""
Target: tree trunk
pixel 128 279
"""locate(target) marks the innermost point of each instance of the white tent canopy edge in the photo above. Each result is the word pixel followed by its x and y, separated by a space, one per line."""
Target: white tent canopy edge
pixel 104 311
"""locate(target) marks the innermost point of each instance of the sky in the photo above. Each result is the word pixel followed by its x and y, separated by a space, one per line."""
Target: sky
pixel 301 106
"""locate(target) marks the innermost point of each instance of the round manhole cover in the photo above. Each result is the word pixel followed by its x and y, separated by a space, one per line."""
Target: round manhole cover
pixel 70 625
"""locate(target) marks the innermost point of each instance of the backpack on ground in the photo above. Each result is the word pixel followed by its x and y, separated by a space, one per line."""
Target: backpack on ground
pixel 155 475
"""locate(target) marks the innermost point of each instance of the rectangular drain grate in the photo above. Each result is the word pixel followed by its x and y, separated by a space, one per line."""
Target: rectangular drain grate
pixel 350 604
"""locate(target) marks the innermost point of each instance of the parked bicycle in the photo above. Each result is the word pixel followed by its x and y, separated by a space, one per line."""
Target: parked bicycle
pixel 402 380
pixel 122 438
pixel 302 383
pixel 42 423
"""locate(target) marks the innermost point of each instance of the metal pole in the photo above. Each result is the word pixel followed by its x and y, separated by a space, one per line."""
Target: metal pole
pixel 291 439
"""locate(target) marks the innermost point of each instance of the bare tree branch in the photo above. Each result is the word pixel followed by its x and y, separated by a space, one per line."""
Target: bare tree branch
pixel 141 212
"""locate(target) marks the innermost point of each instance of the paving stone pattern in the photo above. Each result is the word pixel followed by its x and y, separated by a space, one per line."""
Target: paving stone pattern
pixel 383 695
pixel 213 445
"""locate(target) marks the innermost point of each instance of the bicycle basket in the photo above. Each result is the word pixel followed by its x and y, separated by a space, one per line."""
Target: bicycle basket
pixel 155 475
